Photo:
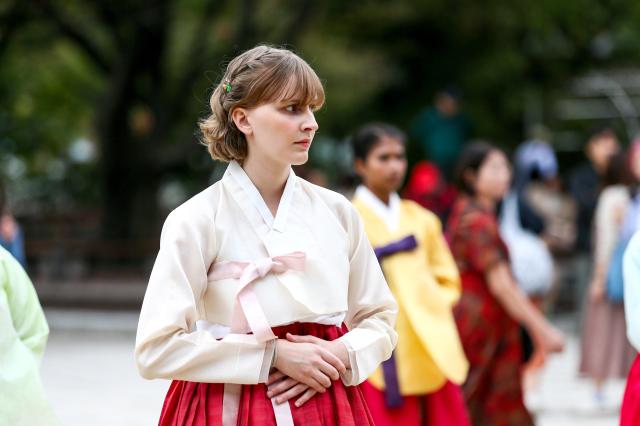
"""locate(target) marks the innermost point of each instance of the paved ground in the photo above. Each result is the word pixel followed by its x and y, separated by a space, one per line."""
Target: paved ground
pixel 91 380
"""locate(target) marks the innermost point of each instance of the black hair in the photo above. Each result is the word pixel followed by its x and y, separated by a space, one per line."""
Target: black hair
pixel 598 130
pixel 370 134
pixel 617 171
pixel 471 158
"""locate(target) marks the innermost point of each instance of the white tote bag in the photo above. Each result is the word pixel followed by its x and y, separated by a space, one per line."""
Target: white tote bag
pixel 531 261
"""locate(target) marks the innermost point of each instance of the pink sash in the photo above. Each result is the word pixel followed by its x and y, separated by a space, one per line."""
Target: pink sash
pixel 248 316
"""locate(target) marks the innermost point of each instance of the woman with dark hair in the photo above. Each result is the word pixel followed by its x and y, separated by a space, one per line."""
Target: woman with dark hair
pixel 492 305
pixel 420 383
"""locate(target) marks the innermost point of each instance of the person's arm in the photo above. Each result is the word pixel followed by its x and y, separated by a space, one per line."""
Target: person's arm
pixel 26 313
pixel 167 344
pixel 506 291
pixel 608 219
pixel 487 254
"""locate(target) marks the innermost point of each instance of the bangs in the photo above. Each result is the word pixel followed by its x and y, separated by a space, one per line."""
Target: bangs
pixel 290 80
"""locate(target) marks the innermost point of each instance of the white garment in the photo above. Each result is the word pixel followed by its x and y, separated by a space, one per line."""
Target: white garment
pixel 229 221
pixel 631 271
pixel 530 259
pixel 389 214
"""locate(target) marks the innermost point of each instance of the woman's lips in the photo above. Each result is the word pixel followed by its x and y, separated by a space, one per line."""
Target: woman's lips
pixel 305 143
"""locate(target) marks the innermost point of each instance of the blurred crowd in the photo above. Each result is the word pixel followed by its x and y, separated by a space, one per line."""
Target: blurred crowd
pixel 566 230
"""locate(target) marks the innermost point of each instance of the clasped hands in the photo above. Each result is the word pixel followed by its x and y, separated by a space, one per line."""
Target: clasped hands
pixel 304 366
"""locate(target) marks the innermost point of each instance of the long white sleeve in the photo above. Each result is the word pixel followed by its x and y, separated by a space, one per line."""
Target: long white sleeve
pixel 167 344
pixel 372 309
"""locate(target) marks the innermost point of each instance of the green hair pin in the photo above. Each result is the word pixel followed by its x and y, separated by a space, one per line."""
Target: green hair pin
pixel 227 87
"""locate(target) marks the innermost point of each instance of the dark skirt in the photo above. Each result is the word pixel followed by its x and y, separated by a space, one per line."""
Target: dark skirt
pixel 201 404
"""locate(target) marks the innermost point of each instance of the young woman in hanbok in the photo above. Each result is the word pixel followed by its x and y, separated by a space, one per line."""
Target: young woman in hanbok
pixel 266 304
pixel 419 385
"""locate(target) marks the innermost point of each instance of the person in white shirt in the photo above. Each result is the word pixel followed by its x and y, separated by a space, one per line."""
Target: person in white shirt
pixel 266 303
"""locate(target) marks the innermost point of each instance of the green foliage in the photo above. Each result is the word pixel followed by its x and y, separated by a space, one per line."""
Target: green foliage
pixel 379 60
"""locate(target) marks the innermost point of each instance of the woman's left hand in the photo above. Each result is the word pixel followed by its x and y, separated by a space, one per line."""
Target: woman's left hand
pixel 336 347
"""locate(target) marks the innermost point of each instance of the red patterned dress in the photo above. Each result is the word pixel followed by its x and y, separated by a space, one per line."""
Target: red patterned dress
pixel 490 337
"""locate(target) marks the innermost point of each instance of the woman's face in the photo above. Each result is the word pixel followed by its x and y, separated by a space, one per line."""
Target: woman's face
pixel 493 177
pixel 385 166
pixel 280 132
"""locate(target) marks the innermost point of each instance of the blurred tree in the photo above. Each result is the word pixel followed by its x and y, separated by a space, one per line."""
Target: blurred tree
pixel 146 59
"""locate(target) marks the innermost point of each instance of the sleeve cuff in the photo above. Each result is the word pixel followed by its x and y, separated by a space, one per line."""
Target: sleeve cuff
pixel 350 377
pixel 269 352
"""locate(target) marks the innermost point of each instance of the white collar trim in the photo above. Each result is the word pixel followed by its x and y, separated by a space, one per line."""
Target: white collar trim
pixel 277 223
pixel 390 214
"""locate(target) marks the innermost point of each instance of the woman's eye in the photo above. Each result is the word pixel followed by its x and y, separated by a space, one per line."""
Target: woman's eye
pixel 291 108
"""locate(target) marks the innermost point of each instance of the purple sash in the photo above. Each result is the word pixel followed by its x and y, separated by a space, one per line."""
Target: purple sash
pixel 392 395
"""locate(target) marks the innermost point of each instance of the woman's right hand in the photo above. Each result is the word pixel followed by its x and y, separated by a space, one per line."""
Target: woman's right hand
pixel 308 363
pixel 551 339
pixel 597 290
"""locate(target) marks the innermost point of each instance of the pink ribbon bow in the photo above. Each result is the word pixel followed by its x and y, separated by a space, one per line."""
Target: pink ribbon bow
pixel 247 313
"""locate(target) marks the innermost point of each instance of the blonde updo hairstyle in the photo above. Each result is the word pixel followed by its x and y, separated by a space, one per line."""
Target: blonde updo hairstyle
pixel 258 76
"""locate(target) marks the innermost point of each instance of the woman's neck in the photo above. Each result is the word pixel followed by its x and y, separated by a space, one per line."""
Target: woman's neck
pixel 382 195
pixel 269 178
pixel 485 202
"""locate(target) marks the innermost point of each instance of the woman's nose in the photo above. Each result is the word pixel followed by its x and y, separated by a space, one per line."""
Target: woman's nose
pixel 310 124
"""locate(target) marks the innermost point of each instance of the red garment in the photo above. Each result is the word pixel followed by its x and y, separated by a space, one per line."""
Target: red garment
pixel 444 407
pixel 427 187
pixel 200 404
pixel 490 337
pixel 630 412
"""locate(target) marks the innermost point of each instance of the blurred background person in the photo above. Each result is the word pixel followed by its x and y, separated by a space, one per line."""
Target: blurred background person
pixel 442 129
pixel 521 228
pixel 11 237
pixel 420 384
pixel 428 187
pixel 605 351
pixel 584 182
pixel 537 221
pixel 630 412
pixel 492 305
pixel 545 208
pixel 23 336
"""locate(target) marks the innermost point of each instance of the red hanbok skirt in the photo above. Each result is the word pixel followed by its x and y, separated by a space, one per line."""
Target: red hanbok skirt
pixel 444 407
pixel 200 404
pixel 630 413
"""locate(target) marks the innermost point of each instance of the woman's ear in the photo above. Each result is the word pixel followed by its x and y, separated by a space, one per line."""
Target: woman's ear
pixel 359 167
pixel 241 120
